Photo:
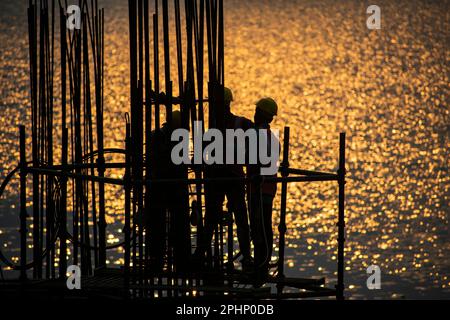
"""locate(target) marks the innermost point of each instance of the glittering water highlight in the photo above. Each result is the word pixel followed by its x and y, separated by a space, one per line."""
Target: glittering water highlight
pixel 388 89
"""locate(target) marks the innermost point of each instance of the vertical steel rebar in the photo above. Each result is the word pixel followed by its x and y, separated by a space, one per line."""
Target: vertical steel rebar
pixel 63 208
pixel 179 47
pixel 341 218
pixel 64 152
pixel 166 39
pixel 200 74
pixel 77 145
pixel 23 204
pixel 148 135
pixel 50 187
pixel 282 226
pixel 100 143
pixel 156 88
pixel 135 119
pixel 41 125
pixel 37 270
pixel 156 65
pixel 88 144
pixel 127 226
pixel 140 190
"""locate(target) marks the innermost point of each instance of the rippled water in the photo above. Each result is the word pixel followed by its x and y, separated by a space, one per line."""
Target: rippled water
pixel 388 89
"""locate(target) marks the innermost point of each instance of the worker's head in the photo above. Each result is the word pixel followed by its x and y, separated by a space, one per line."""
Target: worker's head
pixel 266 109
pixel 176 120
pixel 228 97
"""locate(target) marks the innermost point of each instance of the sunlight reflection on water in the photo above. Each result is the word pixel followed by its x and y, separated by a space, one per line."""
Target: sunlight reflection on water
pixel 387 89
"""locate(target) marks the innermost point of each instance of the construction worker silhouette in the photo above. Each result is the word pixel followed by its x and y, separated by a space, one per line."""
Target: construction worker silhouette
pixel 261 194
pixel 169 202
pixel 234 191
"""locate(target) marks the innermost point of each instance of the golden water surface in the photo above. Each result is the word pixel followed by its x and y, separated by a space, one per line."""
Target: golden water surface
pixel 387 89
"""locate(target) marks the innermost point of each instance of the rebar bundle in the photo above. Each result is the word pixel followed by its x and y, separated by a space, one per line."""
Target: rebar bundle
pixel 78 49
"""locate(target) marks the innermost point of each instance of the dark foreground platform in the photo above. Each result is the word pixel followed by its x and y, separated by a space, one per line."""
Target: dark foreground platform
pixel 111 284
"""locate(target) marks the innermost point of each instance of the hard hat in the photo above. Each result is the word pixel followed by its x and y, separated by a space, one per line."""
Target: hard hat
pixel 268 105
pixel 176 119
pixel 228 95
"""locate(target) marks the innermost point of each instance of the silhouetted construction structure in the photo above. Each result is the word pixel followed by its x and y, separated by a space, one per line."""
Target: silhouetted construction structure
pixel 68 198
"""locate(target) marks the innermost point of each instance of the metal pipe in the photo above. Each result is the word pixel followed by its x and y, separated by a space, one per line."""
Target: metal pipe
pixel 165 8
pixel 282 226
pixel 139 188
pixel 115 181
pixel 341 218
pixel 148 128
pixel 37 270
pixel 127 227
pixel 156 64
pixel 23 205
pixel 63 209
pixel 179 47
pixel 88 145
pixel 50 204
pixel 99 49
pixel 310 172
pixel 136 116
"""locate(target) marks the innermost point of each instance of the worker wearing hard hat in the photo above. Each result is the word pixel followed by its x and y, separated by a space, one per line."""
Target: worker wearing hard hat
pixel 261 195
pixel 233 190
pixel 168 200
pixel 266 109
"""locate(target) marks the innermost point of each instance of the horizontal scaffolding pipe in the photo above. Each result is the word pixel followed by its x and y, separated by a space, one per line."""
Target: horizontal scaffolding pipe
pixel 122 165
pixel 307 172
pixel 57 173
pixel 115 181
pixel 112 165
